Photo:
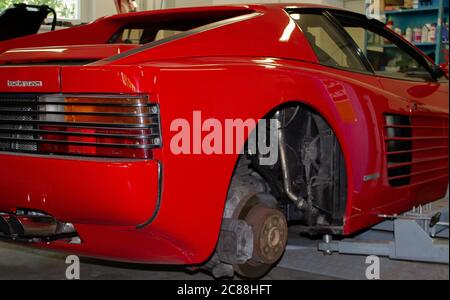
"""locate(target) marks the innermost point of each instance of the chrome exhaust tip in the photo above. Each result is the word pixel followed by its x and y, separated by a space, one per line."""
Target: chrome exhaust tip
pixel 31 225
pixel 4 224
pixel 34 226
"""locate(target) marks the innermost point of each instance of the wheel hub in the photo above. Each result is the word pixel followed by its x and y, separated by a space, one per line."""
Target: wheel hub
pixel 270 234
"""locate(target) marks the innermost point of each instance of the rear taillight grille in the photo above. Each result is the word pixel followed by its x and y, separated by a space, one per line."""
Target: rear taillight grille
pixel 101 126
pixel 416 149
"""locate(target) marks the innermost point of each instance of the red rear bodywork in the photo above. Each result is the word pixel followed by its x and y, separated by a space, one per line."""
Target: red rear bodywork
pixel 168 208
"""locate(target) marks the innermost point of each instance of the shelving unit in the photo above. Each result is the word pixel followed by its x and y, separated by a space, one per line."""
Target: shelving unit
pixel 436 13
pixel 413 10
pixel 419 45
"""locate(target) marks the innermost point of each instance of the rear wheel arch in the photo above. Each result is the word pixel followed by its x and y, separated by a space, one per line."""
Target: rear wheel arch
pixel 339 138
pixel 250 186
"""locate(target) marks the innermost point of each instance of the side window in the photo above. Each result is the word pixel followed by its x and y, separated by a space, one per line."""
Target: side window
pixel 331 47
pixel 386 58
pixel 131 36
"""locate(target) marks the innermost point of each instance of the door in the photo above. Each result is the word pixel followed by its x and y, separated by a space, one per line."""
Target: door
pixel 360 102
pixel 416 140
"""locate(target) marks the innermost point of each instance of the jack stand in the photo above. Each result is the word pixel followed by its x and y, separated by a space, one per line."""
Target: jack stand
pixel 419 235
pixel 327 246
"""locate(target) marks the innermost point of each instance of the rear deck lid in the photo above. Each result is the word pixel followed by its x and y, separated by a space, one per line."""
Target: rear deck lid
pixel 64 55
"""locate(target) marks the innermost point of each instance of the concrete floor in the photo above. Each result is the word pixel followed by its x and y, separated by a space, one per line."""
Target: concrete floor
pixel 304 263
pixel 302 255
pixel 20 262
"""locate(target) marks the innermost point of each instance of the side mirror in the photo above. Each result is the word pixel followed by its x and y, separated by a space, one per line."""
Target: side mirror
pixel 440 71
pixel 445 67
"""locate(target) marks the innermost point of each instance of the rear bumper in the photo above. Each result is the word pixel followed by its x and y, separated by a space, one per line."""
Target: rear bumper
pixel 125 244
pixel 111 205
pixel 96 192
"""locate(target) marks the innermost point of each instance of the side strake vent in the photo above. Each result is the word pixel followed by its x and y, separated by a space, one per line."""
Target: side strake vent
pixel 416 149
pixel 95 125
pixel 399 149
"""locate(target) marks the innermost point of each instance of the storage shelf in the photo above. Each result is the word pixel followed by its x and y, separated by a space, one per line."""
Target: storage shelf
pixel 420 45
pixel 415 44
pixel 431 9
pixel 435 13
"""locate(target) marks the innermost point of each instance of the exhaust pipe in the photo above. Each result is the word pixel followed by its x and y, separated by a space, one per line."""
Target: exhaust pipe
pixel 37 226
pixel 33 225
pixel 287 180
pixel 4 225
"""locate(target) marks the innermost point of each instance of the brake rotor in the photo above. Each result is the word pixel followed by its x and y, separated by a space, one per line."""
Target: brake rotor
pixel 270 232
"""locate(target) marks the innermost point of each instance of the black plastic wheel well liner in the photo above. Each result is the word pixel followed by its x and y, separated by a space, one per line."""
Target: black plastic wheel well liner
pixel 338 204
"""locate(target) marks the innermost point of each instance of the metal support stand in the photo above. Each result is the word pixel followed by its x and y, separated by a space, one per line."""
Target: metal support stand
pixel 419 235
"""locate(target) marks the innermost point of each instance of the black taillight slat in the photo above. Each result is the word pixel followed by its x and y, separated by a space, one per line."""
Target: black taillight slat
pixel 104 114
pixel 77 143
pixel 79 124
pixel 27 103
pixel 153 127
pixel 73 133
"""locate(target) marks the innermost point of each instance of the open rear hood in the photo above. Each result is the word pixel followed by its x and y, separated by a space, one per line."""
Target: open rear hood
pixel 81 53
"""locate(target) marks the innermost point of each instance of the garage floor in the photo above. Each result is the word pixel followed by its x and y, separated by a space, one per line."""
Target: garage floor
pixel 20 262
pixel 299 263
pixel 302 255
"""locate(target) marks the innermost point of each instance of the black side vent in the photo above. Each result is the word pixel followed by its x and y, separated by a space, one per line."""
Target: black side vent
pixel 398 137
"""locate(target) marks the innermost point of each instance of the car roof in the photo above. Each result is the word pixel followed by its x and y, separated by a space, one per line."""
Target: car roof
pixel 296 4
pixel 199 9
pixel 245 40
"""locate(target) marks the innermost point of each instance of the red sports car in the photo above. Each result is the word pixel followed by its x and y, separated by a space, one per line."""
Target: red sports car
pixel 129 138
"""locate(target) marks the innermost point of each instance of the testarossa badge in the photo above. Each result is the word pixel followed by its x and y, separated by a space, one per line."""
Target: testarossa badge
pixel 20 83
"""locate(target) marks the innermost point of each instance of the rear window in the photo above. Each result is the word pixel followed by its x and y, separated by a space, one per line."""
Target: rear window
pixel 159 27
pixel 140 36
